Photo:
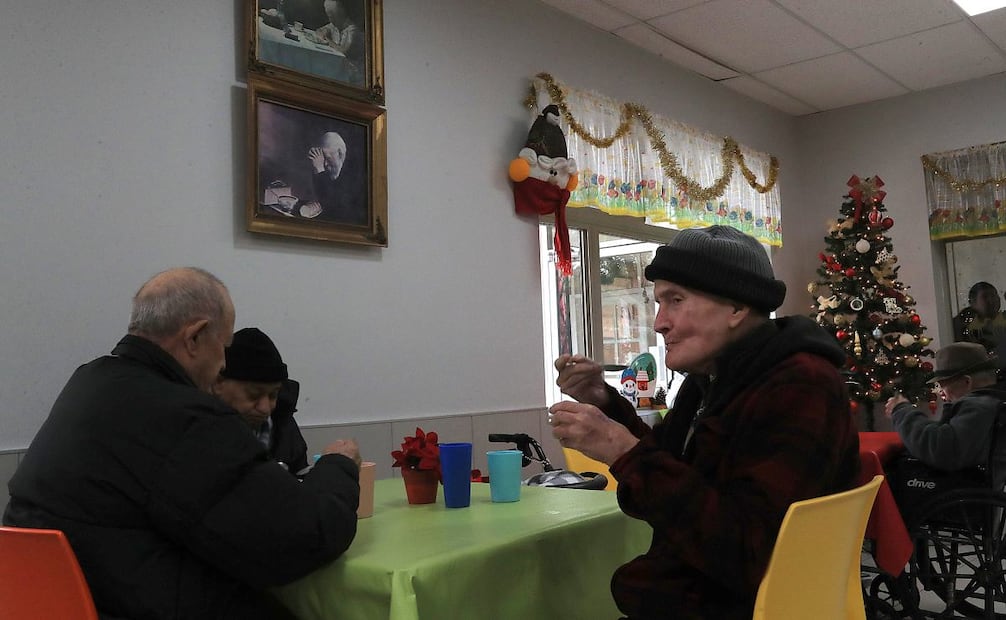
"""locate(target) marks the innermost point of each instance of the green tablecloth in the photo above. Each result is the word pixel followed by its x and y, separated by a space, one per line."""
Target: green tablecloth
pixel 548 556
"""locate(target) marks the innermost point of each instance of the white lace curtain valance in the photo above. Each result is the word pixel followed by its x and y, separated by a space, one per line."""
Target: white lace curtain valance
pixel 964 189
pixel 631 178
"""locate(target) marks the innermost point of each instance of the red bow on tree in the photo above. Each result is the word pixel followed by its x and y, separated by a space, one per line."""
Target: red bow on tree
pixel 868 190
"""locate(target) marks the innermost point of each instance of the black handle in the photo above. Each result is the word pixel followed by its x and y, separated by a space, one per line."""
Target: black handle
pixel 508 438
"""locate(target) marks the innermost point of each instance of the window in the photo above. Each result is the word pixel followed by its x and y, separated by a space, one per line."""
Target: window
pixel 605 310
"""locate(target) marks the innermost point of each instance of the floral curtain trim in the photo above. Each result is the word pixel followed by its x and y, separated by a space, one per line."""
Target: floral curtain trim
pixel 627 166
pixel 667 204
pixel 965 191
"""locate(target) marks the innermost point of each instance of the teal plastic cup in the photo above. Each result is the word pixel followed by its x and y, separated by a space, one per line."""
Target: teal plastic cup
pixel 504 475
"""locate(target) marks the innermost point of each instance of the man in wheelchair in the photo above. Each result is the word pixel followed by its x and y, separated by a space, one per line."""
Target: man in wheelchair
pixel 948 489
pixel 952 451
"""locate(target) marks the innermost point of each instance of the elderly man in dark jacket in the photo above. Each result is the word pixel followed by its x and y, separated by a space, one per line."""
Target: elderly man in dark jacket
pixel 173 508
pixel 255 383
pixel 761 421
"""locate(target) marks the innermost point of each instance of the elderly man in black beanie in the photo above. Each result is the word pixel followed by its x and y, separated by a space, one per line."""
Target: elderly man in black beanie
pixel 255 383
pixel 761 421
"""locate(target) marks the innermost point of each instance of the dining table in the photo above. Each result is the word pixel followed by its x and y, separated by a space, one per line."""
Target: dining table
pixel 886 528
pixel 549 555
pixel 301 50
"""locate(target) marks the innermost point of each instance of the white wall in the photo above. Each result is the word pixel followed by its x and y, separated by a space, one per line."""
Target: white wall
pixel 122 152
pixel 886 139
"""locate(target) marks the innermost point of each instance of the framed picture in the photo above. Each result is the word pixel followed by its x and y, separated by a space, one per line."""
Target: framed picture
pixel 333 44
pixel 317 165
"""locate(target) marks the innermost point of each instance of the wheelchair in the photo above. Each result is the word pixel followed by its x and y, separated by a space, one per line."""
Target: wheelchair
pixel 958 568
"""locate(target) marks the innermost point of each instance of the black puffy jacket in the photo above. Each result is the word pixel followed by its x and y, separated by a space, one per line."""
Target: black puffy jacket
pixel 173 508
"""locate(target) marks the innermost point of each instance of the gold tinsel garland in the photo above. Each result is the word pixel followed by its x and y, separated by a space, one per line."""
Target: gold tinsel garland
pixel 668 161
pixel 959 185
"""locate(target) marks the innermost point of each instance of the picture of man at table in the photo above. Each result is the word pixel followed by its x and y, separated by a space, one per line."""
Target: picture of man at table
pixel 761 421
pixel 173 509
pixel 961 438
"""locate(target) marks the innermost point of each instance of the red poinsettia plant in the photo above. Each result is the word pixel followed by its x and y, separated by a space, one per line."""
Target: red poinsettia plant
pixel 419 452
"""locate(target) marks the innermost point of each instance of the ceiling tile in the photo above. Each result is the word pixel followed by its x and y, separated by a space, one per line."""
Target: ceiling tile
pixel 648 9
pixel 993 24
pixel 749 36
pixel 854 23
pixel 936 57
pixel 649 39
pixel 594 12
pixel 832 82
pixel 760 91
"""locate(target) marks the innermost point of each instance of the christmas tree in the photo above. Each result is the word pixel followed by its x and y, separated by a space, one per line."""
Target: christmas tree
pixel 859 299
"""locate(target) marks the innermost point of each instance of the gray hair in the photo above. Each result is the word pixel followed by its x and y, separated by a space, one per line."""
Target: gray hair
pixel 332 139
pixel 175 298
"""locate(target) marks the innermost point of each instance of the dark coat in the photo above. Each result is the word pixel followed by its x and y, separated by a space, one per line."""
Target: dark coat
pixel 773 428
pixel 173 508
pixel 286 443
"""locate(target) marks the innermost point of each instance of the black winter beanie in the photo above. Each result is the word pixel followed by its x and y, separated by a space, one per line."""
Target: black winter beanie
pixel 723 261
pixel 253 357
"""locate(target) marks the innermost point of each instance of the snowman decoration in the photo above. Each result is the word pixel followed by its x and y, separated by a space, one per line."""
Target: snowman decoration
pixel 629 390
pixel 543 176
pixel 544 156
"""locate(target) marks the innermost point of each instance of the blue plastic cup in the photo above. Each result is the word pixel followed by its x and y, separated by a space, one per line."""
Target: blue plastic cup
pixel 456 472
pixel 504 475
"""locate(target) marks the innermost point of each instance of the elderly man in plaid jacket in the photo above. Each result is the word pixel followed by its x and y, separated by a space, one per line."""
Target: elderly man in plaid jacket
pixel 761 421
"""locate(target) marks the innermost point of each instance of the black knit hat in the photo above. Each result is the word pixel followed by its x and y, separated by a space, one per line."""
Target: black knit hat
pixel 723 261
pixel 253 357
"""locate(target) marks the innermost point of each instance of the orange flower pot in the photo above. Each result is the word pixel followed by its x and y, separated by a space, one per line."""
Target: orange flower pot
pixel 421 485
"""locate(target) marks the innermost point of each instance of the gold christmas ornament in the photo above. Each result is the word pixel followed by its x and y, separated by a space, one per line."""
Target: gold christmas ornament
pixel 925 340
pixel 911 361
pixel 857 348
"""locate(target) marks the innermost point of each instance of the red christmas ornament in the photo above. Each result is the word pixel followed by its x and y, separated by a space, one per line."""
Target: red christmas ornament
pixel 850 272
pixel 874 217
pixel 875 386
pixel 926 366
pixel 915 320
pixel 887 223
pixel 841 334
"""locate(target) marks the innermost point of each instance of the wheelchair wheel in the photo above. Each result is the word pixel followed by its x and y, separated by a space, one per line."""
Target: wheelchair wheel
pixel 959 557
pixel 885 596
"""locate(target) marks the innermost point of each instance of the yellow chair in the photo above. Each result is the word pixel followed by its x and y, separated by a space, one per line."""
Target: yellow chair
pixel 40 577
pixel 579 462
pixel 814 569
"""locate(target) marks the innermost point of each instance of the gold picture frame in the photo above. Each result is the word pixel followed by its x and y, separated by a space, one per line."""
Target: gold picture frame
pixel 317 165
pixel 298 41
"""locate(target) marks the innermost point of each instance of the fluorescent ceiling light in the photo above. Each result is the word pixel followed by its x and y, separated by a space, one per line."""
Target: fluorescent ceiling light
pixel 975 7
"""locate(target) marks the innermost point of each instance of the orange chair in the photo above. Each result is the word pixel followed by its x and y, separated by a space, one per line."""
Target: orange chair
pixel 579 462
pixel 40 577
